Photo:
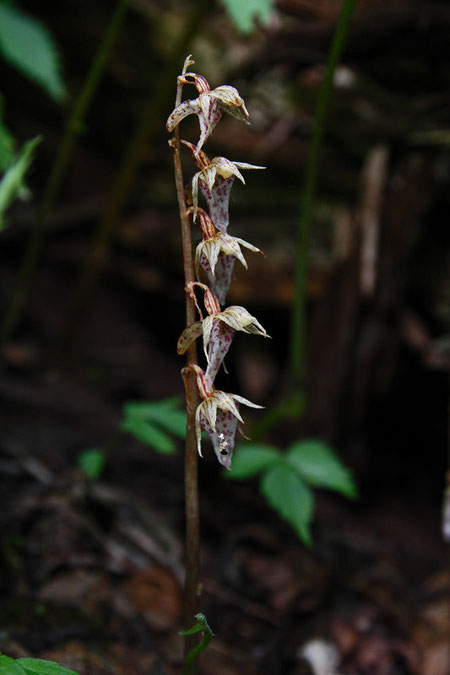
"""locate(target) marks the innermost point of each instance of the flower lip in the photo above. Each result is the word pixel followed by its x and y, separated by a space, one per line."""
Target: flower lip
pixel 206 414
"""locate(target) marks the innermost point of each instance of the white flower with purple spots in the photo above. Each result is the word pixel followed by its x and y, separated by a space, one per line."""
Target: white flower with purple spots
pixel 218 330
pixel 208 106
pixel 216 254
pixel 218 415
pixel 215 180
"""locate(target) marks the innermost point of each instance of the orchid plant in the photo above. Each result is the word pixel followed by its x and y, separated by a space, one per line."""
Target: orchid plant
pixel 218 412
pixel 208 271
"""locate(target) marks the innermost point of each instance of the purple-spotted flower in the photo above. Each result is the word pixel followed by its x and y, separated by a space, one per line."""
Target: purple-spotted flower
pixel 215 179
pixel 218 414
pixel 208 106
pixel 218 329
pixel 216 254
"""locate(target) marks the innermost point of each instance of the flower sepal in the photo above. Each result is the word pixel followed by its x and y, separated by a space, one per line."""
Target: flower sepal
pixel 218 414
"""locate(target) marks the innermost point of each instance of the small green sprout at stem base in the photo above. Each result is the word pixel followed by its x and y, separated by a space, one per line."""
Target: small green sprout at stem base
pixel 201 625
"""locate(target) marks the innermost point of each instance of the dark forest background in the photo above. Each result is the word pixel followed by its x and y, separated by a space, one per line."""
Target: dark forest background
pixel 91 569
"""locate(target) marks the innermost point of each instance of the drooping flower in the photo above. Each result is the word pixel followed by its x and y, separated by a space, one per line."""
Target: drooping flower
pixel 218 415
pixel 218 249
pixel 218 330
pixel 208 106
pixel 215 180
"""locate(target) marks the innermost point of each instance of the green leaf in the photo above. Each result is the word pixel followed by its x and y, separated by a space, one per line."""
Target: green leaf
pixel 245 12
pixel 254 458
pixel 165 413
pixel 154 422
pixel 43 667
pixel 92 462
pixel 27 45
pixel 12 184
pixel 319 466
pixel 149 434
pixel 10 667
pixel 288 494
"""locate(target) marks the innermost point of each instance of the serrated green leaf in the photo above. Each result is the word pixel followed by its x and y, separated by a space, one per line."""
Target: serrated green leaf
pixel 12 184
pixel 245 13
pixel 149 434
pixel 43 667
pixel 92 462
pixel 254 458
pixel 10 667
pixel 27 45
pixel 319 466
pixel 288 494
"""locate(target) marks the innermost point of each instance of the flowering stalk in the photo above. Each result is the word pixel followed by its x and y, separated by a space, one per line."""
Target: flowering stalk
pixel 217 412
pixel 190 464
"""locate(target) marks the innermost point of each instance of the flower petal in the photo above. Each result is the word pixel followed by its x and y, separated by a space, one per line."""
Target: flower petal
pixel 230 246
pixel 207 328
pixel 209 411
pixel 247 245
pixel 225 401
pixel 244 165
pixel 210 249
pixel 240 319
pixel 208 175
pixel 218 200
pixel 223 437
pixel 219 344
pixel 210 115
pixel 219 282
pixel 188 336
pixel 198 431
pixel 231 102
pixel 225 168
pixel 186 108
pixel 243 400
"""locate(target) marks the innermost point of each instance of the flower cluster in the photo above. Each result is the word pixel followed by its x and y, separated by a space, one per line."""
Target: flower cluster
pixel 218 413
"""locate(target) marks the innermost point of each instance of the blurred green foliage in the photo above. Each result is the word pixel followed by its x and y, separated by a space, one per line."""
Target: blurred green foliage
pixel 12 184
pixel 245 13
pixel 287 478
pixel 155 423
pixel 92 462
pixel 27 666
pixel 26 44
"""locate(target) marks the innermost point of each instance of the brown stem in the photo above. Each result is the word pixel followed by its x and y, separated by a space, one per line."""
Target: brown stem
pixel 191 458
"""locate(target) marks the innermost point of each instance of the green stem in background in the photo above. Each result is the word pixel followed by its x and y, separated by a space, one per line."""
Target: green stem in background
pixel 297 357
pixel 148 126
pixel 201 625
pixel 293 406
pixel 73 129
